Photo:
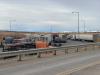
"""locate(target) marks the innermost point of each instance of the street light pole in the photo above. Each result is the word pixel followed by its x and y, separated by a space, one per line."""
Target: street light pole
pixel 84 26
pixel 10 23
pixel 78 23
pixel 51 32
pixel 78 14
pixel 51 28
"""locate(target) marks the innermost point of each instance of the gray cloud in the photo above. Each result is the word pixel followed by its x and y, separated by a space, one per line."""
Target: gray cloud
pixel 43 13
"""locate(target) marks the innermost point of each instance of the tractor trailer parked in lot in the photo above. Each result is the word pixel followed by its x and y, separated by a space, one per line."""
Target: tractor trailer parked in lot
pixel 86 37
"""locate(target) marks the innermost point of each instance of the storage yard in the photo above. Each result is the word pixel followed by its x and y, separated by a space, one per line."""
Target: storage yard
pixel 12 41
pixel 18 41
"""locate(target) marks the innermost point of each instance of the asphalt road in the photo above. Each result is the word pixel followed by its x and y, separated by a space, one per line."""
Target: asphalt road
pixel 94 70
pixel 52 66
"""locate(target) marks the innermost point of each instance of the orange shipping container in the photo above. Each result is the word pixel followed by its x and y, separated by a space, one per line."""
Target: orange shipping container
pixel 41 44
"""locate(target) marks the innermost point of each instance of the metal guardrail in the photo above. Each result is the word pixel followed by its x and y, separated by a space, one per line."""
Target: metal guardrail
pixel 39 51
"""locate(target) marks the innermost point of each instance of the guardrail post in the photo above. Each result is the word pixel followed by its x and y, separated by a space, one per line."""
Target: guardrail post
pixel 20 57
pixel 66 51
pixel 55 52
pixel 39 55
pixel 93 47
pixel 70 74
pixel 85 48
pixel 77 49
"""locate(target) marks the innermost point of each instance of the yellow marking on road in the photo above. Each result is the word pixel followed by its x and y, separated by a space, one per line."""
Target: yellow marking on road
pixel 78 68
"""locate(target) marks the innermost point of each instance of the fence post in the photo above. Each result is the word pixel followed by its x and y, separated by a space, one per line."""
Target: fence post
pixel 85 48
pixel 77 49
pixel 55 52
pixel 93 47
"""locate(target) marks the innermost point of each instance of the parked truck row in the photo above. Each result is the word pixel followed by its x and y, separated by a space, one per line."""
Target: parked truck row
pixel 11 43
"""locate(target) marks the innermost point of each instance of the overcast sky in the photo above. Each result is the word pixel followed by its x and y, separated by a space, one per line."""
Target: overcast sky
pixel 49 15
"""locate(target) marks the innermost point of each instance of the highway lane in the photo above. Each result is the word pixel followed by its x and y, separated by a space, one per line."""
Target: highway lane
pixel 52 66
pixel 93 70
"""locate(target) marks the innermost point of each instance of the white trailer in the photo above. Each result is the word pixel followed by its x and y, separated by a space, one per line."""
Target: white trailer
pixel 85 37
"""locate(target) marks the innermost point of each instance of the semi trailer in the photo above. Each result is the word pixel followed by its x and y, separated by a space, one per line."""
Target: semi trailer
pixel 86 37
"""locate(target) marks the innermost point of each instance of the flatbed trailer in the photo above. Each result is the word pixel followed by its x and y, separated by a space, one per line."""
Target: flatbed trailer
pixel 18 46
